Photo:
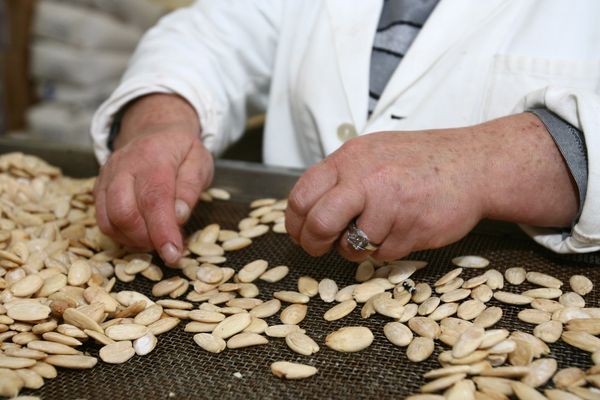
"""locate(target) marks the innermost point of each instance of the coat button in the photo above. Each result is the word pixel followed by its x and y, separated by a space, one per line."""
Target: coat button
pixel 346 132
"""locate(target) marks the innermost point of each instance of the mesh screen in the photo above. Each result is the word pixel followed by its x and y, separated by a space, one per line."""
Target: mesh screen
pixel 179 369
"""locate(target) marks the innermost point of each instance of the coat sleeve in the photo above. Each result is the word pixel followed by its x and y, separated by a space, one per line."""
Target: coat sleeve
pixel 581 109
pixel 217 54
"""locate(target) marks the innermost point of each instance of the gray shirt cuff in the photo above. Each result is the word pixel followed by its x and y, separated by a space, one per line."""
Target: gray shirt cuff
pixel 571 144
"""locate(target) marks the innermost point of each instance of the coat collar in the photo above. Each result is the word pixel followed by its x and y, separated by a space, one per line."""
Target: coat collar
pixel 354 23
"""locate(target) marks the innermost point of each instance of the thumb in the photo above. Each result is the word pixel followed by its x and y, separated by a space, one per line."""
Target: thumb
pixel 194 175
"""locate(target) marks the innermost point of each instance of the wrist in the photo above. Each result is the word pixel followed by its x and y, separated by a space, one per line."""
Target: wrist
pixel 526 179
pixel 156 113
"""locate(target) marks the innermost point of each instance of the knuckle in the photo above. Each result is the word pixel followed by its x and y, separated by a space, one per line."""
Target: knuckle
pixel 119 211
pixel 322 225
pixel 113 162
pixel 189 190
pixel 123 216
pixel 296 202
pixel 304 190
pixel 153 195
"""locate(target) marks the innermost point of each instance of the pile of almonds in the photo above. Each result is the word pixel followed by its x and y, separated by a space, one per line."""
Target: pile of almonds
pixel 58 271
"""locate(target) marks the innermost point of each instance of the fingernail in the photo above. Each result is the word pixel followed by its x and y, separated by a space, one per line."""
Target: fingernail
pixel 169 253
pixel 182 210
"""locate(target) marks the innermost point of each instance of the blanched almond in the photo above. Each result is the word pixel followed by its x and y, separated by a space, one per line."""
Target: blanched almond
pixel 549 331
pixel 350 339
pixel 117 353
pixel 246 339
pixel 275 274
pixel 581 284
pixel 515 275
pixel 209 342
pixel 540 372
pixel 398 333
pixel 470 309
pixel 470 262
pixel 71 361
pixel 252 271
pixel 301 343
pixel 364 271
pixel 266 309
pixel 27 286
pixel 232 325
pixel 282 330
pixel 468 341
pixel 545 280
pixel 449 276
pixel 327 290
pixel 419 349
pixel 308 286
pixel 424 326
pixel 291 297
pixel 126 331
pixel 288 370
pixel 533 316
pixel 293 314
pixel 512 298
pixel 340 310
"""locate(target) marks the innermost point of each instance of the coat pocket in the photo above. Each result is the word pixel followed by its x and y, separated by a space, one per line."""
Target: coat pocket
pixel 513 77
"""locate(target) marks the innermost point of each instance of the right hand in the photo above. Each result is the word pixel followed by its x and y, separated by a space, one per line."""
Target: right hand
pixel 150 184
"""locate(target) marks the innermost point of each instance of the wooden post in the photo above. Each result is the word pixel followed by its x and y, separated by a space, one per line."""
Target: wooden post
pixel 17 94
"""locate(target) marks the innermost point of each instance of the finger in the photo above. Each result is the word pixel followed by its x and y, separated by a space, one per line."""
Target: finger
pixel 397 245
pixel 193 176
pixel 104 222
pixel 122 211
pixel 100 205
pixel 311 186
pixel 348 252
pixel 330 217
pixel 104 178
pixel 101 216
pixel 376 221
pixel 155 195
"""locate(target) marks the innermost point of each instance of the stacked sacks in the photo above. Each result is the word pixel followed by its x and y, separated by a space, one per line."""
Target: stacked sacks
pixel 79 49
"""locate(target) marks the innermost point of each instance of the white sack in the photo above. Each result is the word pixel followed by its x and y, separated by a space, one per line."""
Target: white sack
pixel 55 61
pixel 83 26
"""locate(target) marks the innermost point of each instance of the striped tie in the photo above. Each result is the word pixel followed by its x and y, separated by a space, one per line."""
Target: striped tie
pixel 399 24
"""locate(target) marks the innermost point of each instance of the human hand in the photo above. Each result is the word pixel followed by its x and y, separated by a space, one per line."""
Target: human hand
pixel 420 190
pixel 149 185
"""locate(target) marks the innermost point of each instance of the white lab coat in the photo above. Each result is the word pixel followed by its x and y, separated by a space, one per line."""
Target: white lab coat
pixel 307 63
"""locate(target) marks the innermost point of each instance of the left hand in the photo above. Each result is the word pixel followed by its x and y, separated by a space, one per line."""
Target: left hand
pixel 420 190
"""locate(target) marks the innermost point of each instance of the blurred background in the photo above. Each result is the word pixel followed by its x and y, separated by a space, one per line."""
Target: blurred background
pixel 59 60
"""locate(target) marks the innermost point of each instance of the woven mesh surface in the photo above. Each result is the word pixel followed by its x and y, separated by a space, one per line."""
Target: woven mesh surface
pixel 179 369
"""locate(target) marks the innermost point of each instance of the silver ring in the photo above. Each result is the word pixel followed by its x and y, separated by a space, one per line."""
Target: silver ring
pixel 358 239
